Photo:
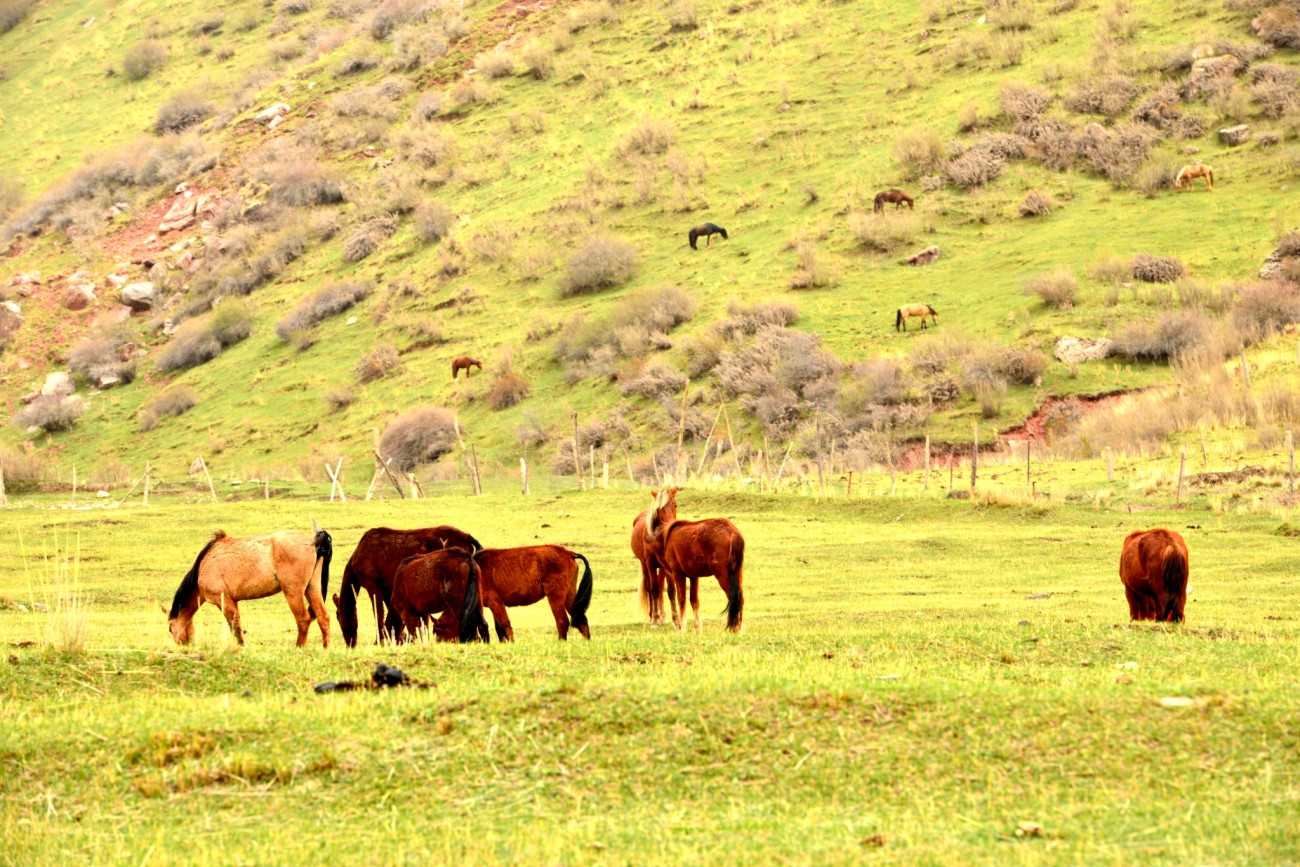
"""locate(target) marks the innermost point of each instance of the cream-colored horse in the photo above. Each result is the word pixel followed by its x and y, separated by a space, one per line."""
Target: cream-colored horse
pixel 1187 174
pixel 229 570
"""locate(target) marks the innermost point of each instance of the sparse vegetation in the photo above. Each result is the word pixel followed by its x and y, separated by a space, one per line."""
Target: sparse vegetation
pixel 327 302
pixel 173 402
pixel 419 436
pixel 181 111
pixel 602 261
pixel 1170 336
pixel 508 389
pixel 1156 269
pixel 50 413
pixel 376 364
pixel 1036 204
pixel 885 232
pixel 143 59
pixel 1059 288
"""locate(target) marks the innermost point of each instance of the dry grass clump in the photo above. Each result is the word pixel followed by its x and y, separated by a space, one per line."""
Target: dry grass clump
pixel 329 301
pixel 362 61
pixel 143 59
pixel 1288 246
pixel 538 59
pixel 1156 269
pixel 376 364
pixel 601 262
pixel 102 355
pixel 1106 95
pixel 810 271
pixel 975 167
pixel 1275 88
pixel 432 221
pixel 1170 336
pixel 12 12
pixel 1153 178
pixel 652 136
pixel 1279 26
pixel 879 381
pixel 508 389
pixel 919 151
pixel 470 91
pixel 996 367
pixel 181 111
pixel 391 15
pixel 1023 102
pixel 416 47
pixel 653 379
pixel 175 401
pixel 427 106
pixel 1263 309
pixel 497 63
pixel 1010 14
pixel 1110 268
pixel 340 398
pixel 418 436
pixel 1058 288
pixel 884 232
pixel 1036 204
pixel 200 340
pixel 367 237
pixel 12 192
pixel 1163 110
pixel 51 413
pixel 779 376
pixel 298 180
pixel 1118 153
pixel 638 324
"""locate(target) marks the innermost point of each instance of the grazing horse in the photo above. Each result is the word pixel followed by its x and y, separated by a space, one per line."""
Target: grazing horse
pixel 464 363
pixel 445 581
pixel 897 197
pixel 373 565
pixel 695 549
pixel 706 231
pixel 923 310
pixel 1153 567
pixel 652 574
pixel 1189 173
pixel 522 576
pixel 229 570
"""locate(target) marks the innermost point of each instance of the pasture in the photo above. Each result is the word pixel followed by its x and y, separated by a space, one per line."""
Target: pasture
pixel 916 679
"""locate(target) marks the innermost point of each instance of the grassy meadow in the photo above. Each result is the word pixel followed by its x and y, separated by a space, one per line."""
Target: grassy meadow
pixel 919 681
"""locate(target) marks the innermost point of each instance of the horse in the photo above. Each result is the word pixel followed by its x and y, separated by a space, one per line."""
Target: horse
pixel 372 567
pixel 897 197
pixel 652 575
pixel 464 363
pixel 1153 567
pixel 445 581
pixel 522 576
pixel 229 570
pixel 706 231
pixel 695 549
pixel 908 310
pixel 1189 173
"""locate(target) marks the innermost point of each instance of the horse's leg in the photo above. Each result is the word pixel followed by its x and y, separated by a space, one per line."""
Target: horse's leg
pixel 561 615
pixel 695 604
pixel 677 597
pixel 501 620
pixel 672 592
pixel 230 608
pixel 298 605
pixel 322 617
pixel 1134 604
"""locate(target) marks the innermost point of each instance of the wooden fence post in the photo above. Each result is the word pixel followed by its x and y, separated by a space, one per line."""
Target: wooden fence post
pixel 1029 479
pixel 523 473
pixel 414 484
pixel 473 466
pixel 147 470
pixel 4 498
pixel 975 460
pixel 1290 467
pixel 848 491
pixel 731 441
pixel 1182 463
pixel 1110 465
pixel 577 456
pixel 212 489
pixel 926 485
pixel 266 486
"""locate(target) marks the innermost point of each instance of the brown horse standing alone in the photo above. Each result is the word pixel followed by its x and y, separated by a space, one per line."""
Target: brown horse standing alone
pixel 445 581
pixel 1189 173
pixel 464 363
pixel 705 231
pixel 522 576
pixel 908 310
pixel 897 197
pixel 695 549
pixel 653 578
pixel 1153 567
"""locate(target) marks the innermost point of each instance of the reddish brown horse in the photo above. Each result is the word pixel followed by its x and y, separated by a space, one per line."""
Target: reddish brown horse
pixel 522 576
pixel 652 575
pixel 695 549
pixel 464 363
pixel 897 197
pixel 1153 567
pixel 373 565
pixel 444 581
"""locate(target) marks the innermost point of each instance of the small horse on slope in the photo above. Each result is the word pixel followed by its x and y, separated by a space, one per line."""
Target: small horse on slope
pixel 522 576
pixel 464 363
pixel 897 197
pixel 706 231
pixel 229 570
pixel 1189 173
pixel 909 310
pixel 1153 567
pixel 653 578
pixel 695 549
pixel 445 581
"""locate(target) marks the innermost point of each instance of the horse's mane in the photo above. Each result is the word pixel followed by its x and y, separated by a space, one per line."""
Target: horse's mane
pixel 190 583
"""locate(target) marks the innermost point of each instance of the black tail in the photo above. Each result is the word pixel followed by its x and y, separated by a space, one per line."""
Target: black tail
pixel 581 599
pixel 1175 587
pixel 324 543
pixel 190 583
pixel 478 546
pixel 735 594
pixel 899 319
pixel 472 611
pixel 691 237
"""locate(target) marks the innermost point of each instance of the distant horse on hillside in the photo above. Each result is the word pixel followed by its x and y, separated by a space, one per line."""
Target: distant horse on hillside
pixel 925 311
pixel 706 231
pixel 1153 567
pixel 442 581
pixel 464 363
pixel 1189 173
pixel 522 576
pixel 695 549
pixel 229 570
pixel 653 578
pixel 898 197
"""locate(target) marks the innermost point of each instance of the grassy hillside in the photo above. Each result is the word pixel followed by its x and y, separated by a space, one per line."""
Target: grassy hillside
pixel 627 122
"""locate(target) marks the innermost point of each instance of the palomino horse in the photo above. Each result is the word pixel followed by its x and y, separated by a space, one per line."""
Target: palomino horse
pixel 695 549
pixel 464 363
pixel 652 574
pixel 706 231
pixel 905 312
pixel 1189 173
pixel 373 565
pixel 897 197
pixel 445 581
pixel 522 576
pixel 229 570
pixel 1153 567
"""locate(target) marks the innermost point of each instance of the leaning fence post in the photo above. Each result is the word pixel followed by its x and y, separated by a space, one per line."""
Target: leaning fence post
pixel 147 470
pixel 1290 467
pixel 1182 463
pixel 523 473
pixel 577 456
pixel 926 485
pixel 975 460
pixel 4 498
pixel 212 489
pixel 473 465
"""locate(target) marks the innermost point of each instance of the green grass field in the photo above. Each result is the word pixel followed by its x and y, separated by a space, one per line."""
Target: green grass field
pixel 916 678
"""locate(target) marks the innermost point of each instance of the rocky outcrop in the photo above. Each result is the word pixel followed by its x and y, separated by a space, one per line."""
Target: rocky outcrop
pixel 11 319
pixel 139 296
pixel 1077 350
pixel 1208 72
pixel 925 257
pixel 1235 135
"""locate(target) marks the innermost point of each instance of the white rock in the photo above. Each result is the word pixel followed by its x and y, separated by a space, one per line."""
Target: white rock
pixel 139 296
pixel 103 495
pixel 58 384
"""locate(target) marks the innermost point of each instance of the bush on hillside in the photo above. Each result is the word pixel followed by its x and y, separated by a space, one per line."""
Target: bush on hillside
pixel 1107 95
pixel 602 261
pixel 175 401
pixel 1058 288
pixel 919 151
pixel 100 355
pixel 338 399
pixel 654 379
pixel 12 12
pixel 391 15
pixel 1115 154
pixel 630 326
pixel 537 59
pixel 190 346
pixel 298 180
pixel 376 364
pixel 1265 308
pixel 1166 338
pixel 1279 26
pixel 1156 269
pixel 1023 102
pixel 358 62
pixel 811 271
pixel 650 137
pixel 1036 204
pixel 143 59
pixel 367 237
pixel 884 232
pixel 51 413
pixel 181 111
pixel 231 322
pixel 974 168
pixel 508 389
pixel 419 436
pixel 432 220
pixel 876 382
pixel 327 302
pixel 496 63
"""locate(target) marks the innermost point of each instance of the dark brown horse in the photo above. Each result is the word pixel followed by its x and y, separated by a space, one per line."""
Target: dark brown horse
pixel 897 197
pixel 373 565
pixel 464 363
pixel 652 574
pixel 695 549
pixel 1153 567
pixel 444 581
pixel 521 576
pixel 705 231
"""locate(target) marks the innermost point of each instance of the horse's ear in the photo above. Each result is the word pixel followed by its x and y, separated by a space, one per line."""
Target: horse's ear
pixel 653 493
pixel 163 609
pixel 336 600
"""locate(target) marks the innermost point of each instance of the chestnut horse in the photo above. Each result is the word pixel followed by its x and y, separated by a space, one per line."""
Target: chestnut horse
pixel 897 197
pixel 1153 567
pixel 373 565
pixel 445 581
pixel 908 310
pixel 695 549
pixel 229 570
pixel 652 574
pixel 522 576
pixel 464 363
pixel 1189 173
pixel 705 231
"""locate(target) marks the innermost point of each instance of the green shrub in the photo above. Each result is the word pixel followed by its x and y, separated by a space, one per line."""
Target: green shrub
pixel 143 59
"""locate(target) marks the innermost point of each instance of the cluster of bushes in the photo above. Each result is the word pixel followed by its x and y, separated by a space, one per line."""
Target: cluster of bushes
pixel 376 364
pixel 100 356
pixel 418 436
pixel 601 262
pixel 198 341
pixel 182 110
pixel 327 302
pixel 638 324
pixel 51 412
pixel 175 401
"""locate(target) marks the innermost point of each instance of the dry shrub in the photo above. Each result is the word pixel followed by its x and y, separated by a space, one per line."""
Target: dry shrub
pixel 427 146
pixel 417 47
pixel 433 220
pixel 391 15
pixel 1163 110
pixel 1169 337
pixel 1263 309
pixel 181 111
pixel 601 262
pixel 427 106
pixel 493 242
pixel 653 379
pixel 364 101
pixel 1275 88
pixel 974 168
pixel 508 389
pixel 1058 288
pixel 1154 178
pixel 51 413
pixel 1116 154
pixel 650 137
pixel 1110 268
pixel 329 301
pixel 537 59
pixel 367 237
pixel 1036 204
pixel 175 401
pixel 496 63
pixel 470 91
pixel 1278 26
pixel 12 12
pixel 682 17
pixel 1156 269
pixel 100 355
pixel 418 436
pixel 632 326
pixel 879 381
pixel 1107 95
pixel 339 399
pixel 780 374
pixel 376 364
pixel 1023 102
pixel 143 59
pixel 231 322
pixel 297 180
pixel 1010 14
pixel 190 346
pixel 884 232
pixel 919 151
pixel 1288 246
pixel 360 61
pixel 810 270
